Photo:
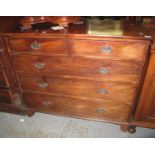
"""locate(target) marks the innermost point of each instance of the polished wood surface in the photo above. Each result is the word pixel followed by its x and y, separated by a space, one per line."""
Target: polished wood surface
pixel 5 93
pixel 79 88
pixel 91 28
pixel 118 50
pixel 33 45
pixel 5 96
pixel 145 111
pixel 72 82
pixel 79 67
pixel 9 89
pixel 1 64
pixel 3 80
pixel 146 107
pixel 14 109
pixel 77 107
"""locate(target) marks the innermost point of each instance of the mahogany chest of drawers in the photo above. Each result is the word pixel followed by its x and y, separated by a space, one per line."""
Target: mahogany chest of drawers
pixel 77 72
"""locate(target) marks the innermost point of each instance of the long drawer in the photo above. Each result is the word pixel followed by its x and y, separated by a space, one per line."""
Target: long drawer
pixel 77 107
pixel 109 49
pixel 5 96
pixel 105 69
pixel 36 45
pixel 80 88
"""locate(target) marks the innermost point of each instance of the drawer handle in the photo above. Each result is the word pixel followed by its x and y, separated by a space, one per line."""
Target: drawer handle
pixel 103 91
pixel 100 110
pixel 46 103
pixel 35 45
pixel 104 71
pixel 43 85
pixel 39 65
pixel 106 49
pixel 1 50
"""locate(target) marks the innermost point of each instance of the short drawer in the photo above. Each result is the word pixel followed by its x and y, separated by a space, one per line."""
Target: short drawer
pixel 3 81
pixel 77 107
pixel 109 49
pixel 32 45
pixel 104 69
pixel 79 88
pixel 5 96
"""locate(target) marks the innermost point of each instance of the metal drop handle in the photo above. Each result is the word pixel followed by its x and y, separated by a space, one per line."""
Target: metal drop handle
pixel 43 85
pixel 106 49
pixel 46 103
pixel 103 91
pixel 35 45
pixel 104 71
pixel 39 65
pixel 1 50
pixel 100 110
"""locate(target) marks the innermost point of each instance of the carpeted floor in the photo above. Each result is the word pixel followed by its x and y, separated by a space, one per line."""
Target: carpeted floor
pixel 44 125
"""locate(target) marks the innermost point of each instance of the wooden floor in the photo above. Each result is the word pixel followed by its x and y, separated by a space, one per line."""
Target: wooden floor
pixel 44 125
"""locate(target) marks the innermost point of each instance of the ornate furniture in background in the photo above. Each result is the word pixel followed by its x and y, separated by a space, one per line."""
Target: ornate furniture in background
pixel 28 21
pixel 145 111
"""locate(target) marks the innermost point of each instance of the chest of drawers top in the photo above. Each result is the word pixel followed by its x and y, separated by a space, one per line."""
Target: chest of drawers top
pixel 87 28
pixel 90 37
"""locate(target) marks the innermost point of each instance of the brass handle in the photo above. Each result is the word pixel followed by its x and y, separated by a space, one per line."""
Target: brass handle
pixel 103 91
pixel 106 49
pixel 100 110
pixel 39 65
pixel 46 103
pixel 1 50
pixel 43 85
pixel 104 71
pixel 35 45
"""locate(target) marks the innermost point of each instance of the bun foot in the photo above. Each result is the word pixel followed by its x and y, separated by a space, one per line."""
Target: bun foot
pixel 124 127
pixel 131 129
pixel 128 128
pixel 30 112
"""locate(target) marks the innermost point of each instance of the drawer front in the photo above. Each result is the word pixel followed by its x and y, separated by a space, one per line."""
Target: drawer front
pixel 103 69
pixel 77 107
pixel 5 97
pixel 109 50
pixel 3 83
pixel 79 88
pixel 31 45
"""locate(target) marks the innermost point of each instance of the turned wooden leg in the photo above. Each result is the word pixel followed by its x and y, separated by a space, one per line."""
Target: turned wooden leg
pixel 128 128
